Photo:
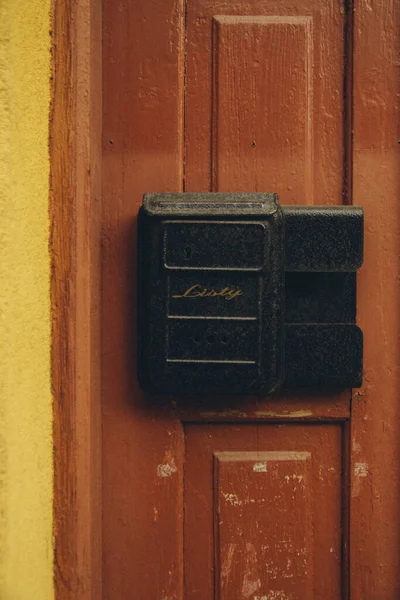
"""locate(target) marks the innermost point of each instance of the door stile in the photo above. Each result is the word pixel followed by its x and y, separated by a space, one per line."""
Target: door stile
pixel 346 510
pixel 75 193
pixel 348 102
pixel 375 440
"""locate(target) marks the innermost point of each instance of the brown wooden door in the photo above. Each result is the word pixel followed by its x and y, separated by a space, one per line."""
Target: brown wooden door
pixel 293 497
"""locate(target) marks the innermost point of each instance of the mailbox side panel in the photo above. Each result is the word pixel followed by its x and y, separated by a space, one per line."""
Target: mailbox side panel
pixel 151 304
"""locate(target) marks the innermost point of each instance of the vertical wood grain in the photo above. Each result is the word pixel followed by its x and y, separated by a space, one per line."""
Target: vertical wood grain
pixel 249 490
pixel 273 72
pixel 263 105
pixel 75 193
pixel 142 438
pixel 263 505
pixel 375 426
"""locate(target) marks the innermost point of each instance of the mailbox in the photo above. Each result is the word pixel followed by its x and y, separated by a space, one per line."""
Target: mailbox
pixel 238 294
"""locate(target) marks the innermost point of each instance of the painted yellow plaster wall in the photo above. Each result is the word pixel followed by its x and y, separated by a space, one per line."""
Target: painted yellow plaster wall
pixel 25 393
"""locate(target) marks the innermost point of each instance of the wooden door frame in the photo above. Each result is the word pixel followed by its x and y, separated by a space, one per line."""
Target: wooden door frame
pixel 75 220
pixel 75 216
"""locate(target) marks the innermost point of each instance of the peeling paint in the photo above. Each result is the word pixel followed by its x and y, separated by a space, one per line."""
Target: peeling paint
pixel 167 467
pixel 165 470
pixel 260 467
pixel 361 469
pixel 360 472
pixel 249 587
pixel 251 581
pixel 275 595
pixel 232 499
pixel 293 415
pixel 298 478
pixel 230 412
pixel 227 564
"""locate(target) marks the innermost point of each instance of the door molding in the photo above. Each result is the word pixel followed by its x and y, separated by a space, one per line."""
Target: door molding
pixel 75 216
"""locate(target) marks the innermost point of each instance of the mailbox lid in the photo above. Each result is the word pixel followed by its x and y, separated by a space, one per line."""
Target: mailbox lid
pixel 210 204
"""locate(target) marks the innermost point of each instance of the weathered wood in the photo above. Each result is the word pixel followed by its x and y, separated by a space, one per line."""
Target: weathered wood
pixel 142 445
pixel 375 425
pixel 75 128
pixel 263 510
pixel 355 89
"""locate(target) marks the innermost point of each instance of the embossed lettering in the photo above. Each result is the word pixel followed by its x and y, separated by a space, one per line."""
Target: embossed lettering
pixel 197 291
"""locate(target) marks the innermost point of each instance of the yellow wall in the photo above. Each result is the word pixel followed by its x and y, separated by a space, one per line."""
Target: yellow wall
pixel 25 394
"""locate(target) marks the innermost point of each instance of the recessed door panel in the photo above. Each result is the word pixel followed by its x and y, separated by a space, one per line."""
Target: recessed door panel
pixel 265 98
pixel 264 511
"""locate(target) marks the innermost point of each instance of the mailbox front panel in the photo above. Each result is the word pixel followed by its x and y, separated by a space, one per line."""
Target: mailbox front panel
pixel 211 303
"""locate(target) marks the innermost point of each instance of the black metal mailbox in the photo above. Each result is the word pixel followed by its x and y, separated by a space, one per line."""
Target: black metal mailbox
pixel 240 295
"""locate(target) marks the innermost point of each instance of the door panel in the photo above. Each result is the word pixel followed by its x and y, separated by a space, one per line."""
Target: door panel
pixel 263 512
pixel 255 89
pixel 265 84
pixel 256 96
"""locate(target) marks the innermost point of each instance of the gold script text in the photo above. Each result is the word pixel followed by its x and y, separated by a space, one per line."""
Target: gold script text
pixel 197 291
